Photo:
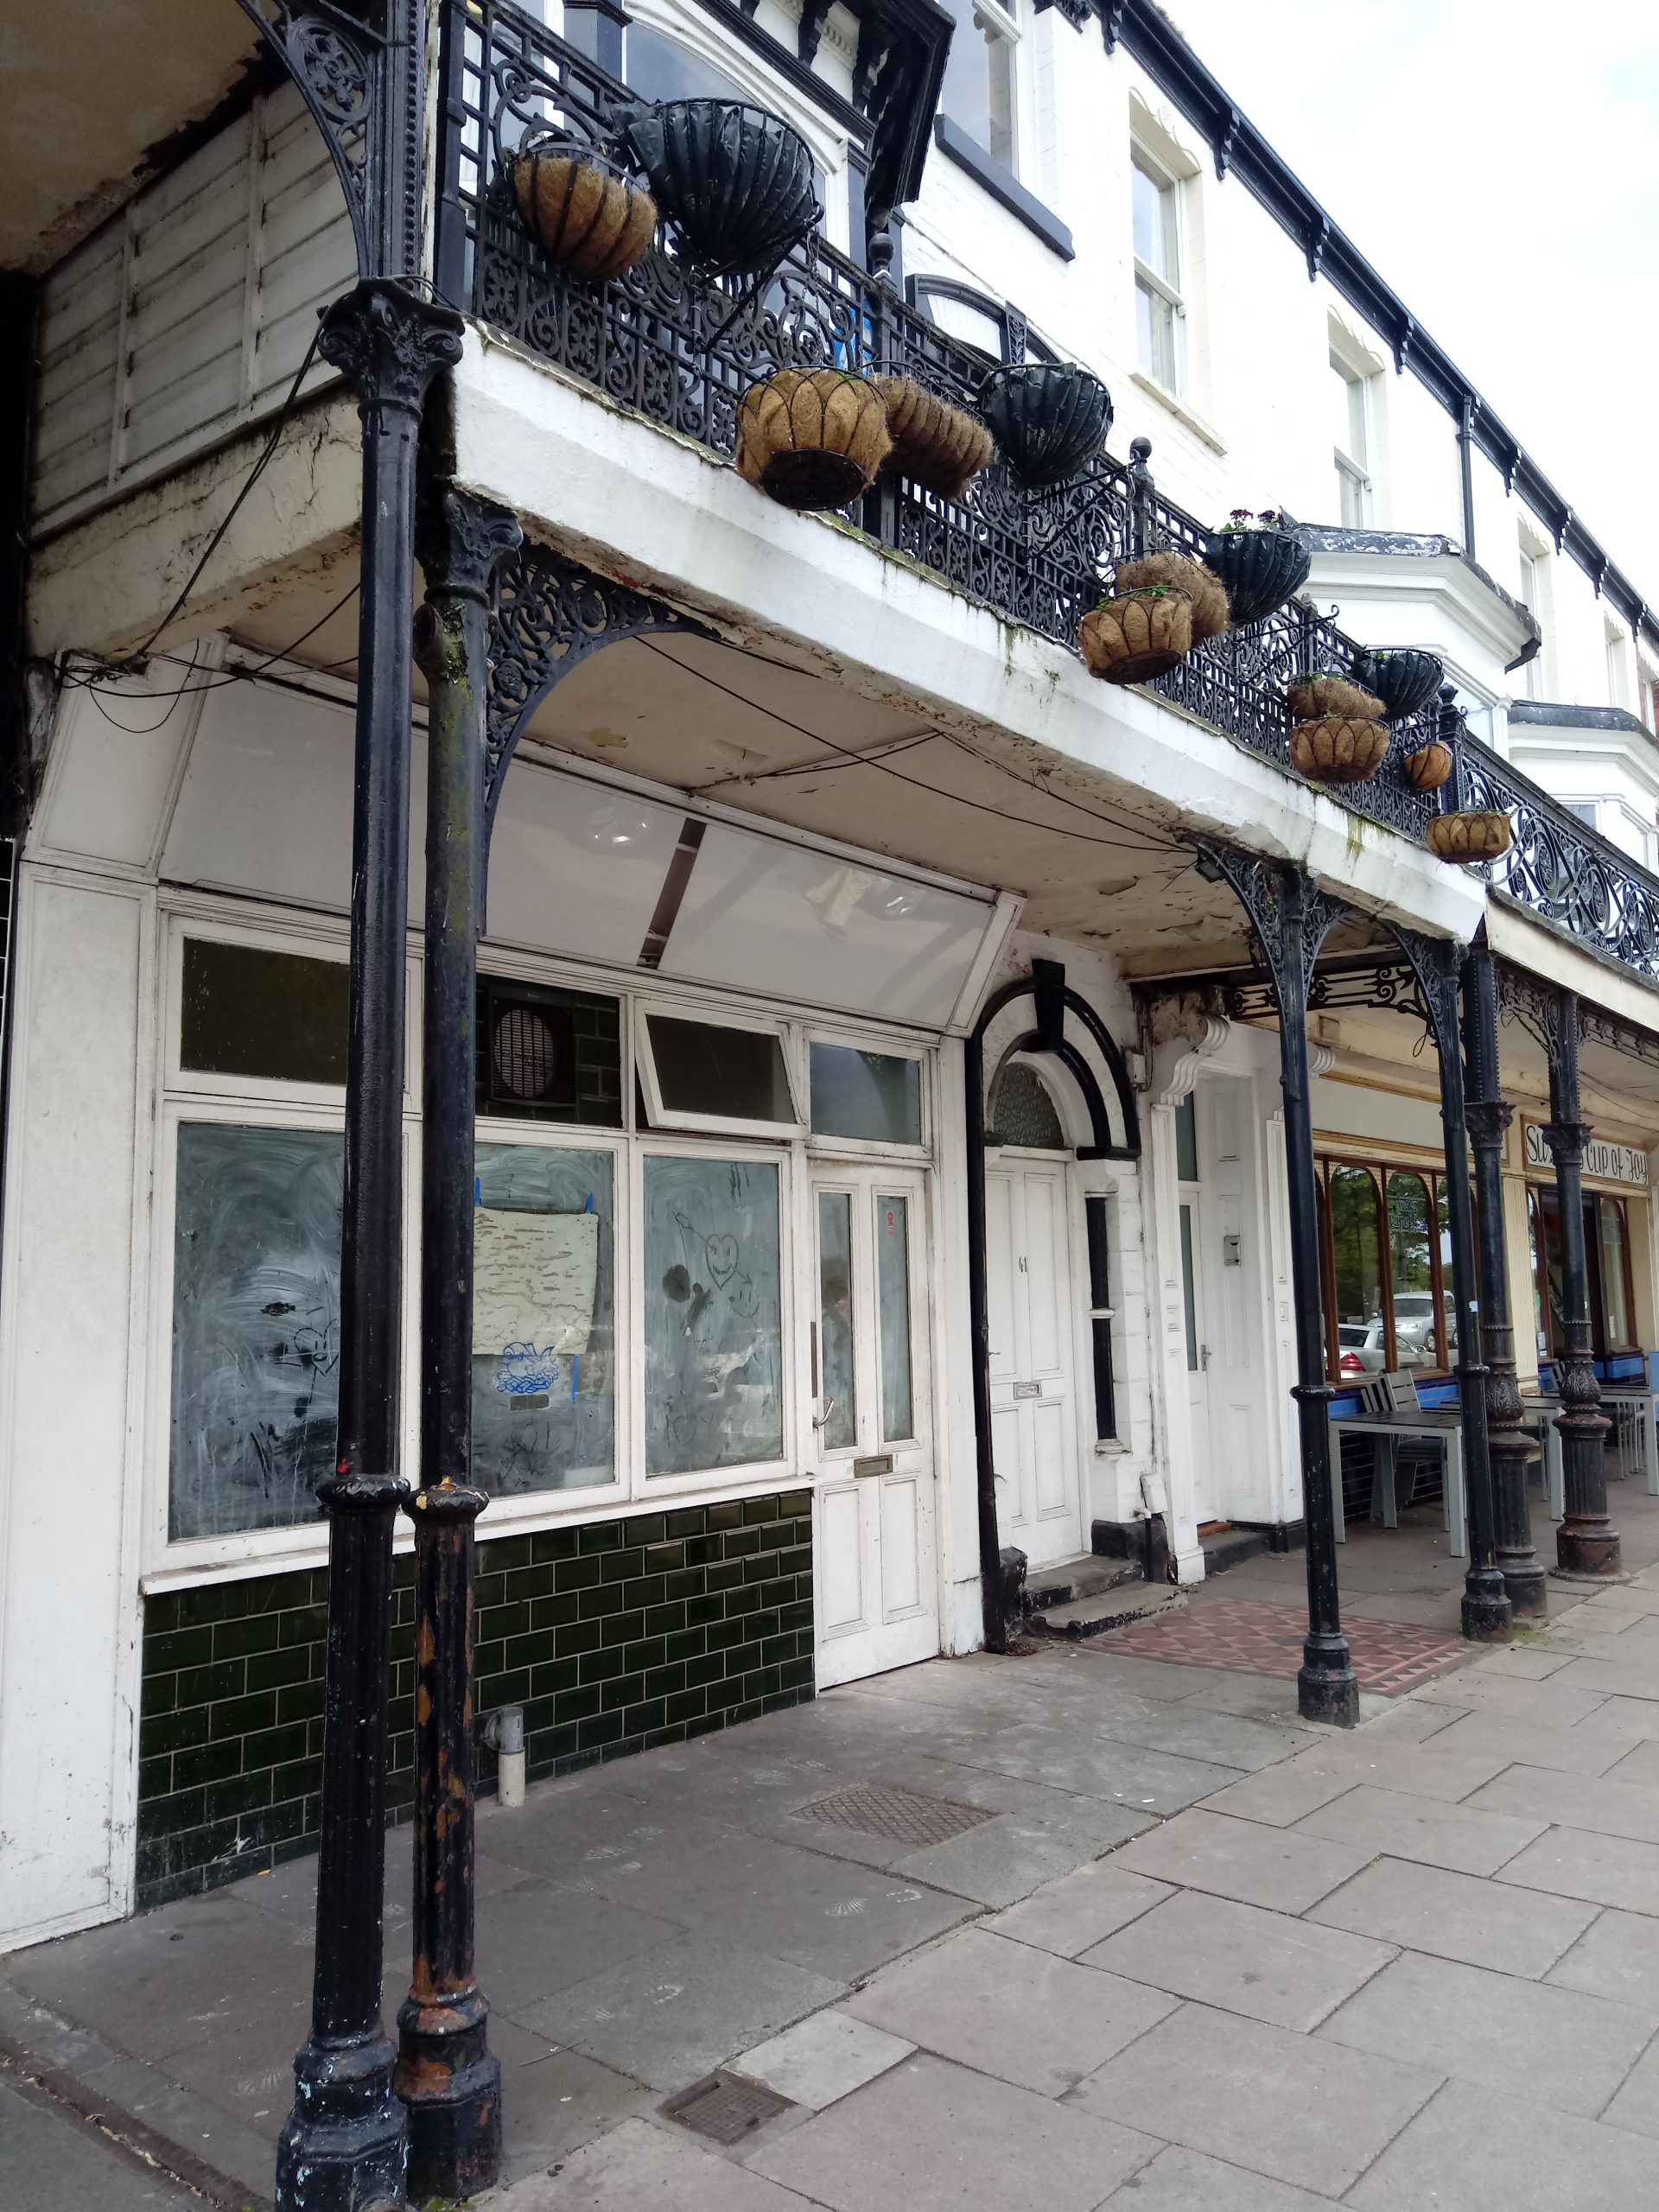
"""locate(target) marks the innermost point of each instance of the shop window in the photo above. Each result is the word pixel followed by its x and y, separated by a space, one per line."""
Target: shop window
pixel 274 1017
pixel 1386 1261
pixel 1411 1268
pixel 1356 1273
pixel 1614 1245
pixel 548 1055
pixel 869 1097
pixel 256 1326
pixel 1023 1113
pixel 1607 1272
pixel 714 1075
pixel 712 1314
pixel 544 1319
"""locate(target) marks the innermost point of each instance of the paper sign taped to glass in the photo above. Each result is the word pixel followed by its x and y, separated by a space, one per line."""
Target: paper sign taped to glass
pixel 534 1279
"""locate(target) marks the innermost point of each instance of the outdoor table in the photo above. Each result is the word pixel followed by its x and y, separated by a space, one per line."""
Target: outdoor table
pixel 1441 1426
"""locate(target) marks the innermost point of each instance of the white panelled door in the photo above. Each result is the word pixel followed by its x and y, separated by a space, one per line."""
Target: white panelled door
pixel 877 1577
pixel 1033 1442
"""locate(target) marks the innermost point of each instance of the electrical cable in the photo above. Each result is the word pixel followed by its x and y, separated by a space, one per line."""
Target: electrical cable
pixel 99 692
pixel 863 761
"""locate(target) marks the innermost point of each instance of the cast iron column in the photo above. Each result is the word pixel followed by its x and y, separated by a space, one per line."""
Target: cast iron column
pixel 1586 1543
pixel 1487 1609
pixel 446 2075
pixel 343 2147
pixel 1509 1447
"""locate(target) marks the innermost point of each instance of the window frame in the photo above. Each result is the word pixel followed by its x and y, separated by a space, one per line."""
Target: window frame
pixel 1539 1188
pixel 819 1144
pixel 664 1120
pixel 1146 278
pixel 997 20
pixel 1354 470
pixel 1381 1172
pixel 321 943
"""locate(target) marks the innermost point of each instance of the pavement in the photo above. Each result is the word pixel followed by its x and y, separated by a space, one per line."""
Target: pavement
pixel 1094 1928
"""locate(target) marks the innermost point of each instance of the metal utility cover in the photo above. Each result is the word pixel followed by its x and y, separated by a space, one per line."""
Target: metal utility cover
pixel 875 1808
pixel 724 2106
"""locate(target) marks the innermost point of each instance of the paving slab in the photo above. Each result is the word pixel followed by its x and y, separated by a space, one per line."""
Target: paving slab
pixel 1286 1871
pixel 1617 1956
pixel 1603 1803
pixel 1283 1794
pixel 639 2168
pixel 1470 2149
pixel 1185 2181
pixel 670 2016
pixel 555 2103
pixel 1605 1869
pixel 822 2059
pixel 1523 1662
pixel 1590 1748
pixel 542 1936
pixel 1459 1917
pixel 1012 2010
pixel 1572 2051
pixel 1297 2107
pixel 1005 1858
pixel 53 2162
pixel 1068 1916
pixel 1552 1703
pixel 1636 1677
pixel 1092 1766
pixel 1416 1827
pixel 1640 1765
pixel 930 2137
pixel 1241 1958
pixel 1635 2106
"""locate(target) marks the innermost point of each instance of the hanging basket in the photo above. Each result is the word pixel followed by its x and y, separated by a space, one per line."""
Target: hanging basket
pixel 1049 417
pixel 1316 696
pixel 1180 574
pixel 1137 635
pixel 938 446
pixel 1405 681
pixel 1260 569
pixel 1339 749
pixel 1472 836
pixel 1429 767
pixel 584 215
pixel 736 182
pixel 811 441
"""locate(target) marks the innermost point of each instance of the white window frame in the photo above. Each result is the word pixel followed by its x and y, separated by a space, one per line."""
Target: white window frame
pixel 820 1144
pixel 299 944
pixel 661 1117
pixel 1533 590
pixel 754 1474
pixel 1354 470
pixel 1147 279
pixel 1617 657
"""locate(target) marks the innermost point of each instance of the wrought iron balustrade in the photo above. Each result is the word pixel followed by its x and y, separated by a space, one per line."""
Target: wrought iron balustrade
pixel 1559 867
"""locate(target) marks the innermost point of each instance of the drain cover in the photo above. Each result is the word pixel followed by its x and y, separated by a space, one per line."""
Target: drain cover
pixel 724 2106
pixel 874 1809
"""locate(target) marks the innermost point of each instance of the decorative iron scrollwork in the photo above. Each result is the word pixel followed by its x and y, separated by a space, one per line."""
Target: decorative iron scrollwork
pixel 548 615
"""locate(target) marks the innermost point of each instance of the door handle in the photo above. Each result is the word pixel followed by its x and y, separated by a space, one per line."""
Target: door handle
pixel 1203 1357
pixel 822 1420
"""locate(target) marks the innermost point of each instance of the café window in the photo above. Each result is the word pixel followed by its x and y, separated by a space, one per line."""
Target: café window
pixel 1607 1272
pixel 1386 1263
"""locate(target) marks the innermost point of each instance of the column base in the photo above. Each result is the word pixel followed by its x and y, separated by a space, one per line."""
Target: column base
pixel 1486 1608
pixel 1588 1554
pixel 345 2146
pixel 1327 1688
pixel 451 2088
pixel 1527 1586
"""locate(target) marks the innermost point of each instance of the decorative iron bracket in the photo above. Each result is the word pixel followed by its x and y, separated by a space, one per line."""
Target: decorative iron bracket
pixel 1539 1009
pixel 1291 917
pixel 1437 964
pixel 359 75
pixel 549 616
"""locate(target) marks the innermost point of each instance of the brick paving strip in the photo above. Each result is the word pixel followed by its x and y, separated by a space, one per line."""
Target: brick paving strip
pixel 1189 1953
pixel 1254 1637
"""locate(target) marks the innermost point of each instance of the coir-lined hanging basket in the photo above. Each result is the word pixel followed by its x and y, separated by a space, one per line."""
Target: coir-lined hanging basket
pixel 1429 767
pixel 1475 835
pixel 811 440
pixel 1339 749
pixel 585 215
pixel 735 180
pixel 938 446
pixel 1178 572
pixel 1137 634
pixel 1318 695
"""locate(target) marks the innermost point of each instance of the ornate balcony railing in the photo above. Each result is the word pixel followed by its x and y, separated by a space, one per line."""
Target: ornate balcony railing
pixel 1559 867
pixel 681 351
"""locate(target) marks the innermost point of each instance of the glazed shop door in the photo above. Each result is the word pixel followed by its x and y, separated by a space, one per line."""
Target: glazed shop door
pixel 877 1585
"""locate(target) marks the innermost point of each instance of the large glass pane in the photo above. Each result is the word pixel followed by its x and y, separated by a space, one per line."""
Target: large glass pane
pixel 1155 236
pixel 276 1016
pixel 705 1068
pixel 1448 1299
pixel 1411 1269
pixel 544 1319
pixel 1189 1291
pixel 1534 1234
pixel 256 1326
pixel 874 1097
pixel 893 1312
pixel 1549 1213
pixel 1356 1261
pixel 966 94
pixel 713 1314
pixel 1155 324
pixel 1615 1305
pixel 837 1389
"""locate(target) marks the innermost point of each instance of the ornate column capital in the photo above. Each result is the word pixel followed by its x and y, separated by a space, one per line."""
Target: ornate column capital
pixel 461 541
pixel 1566 1140
pixel 389 341
pixel 1488 1119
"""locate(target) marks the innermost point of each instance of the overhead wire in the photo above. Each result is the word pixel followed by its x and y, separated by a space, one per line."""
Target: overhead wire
pixel 244 673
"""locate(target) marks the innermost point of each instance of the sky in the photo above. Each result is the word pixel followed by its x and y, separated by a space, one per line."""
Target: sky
pixel 1498 161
